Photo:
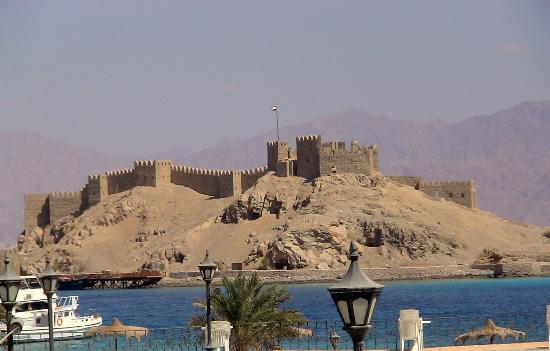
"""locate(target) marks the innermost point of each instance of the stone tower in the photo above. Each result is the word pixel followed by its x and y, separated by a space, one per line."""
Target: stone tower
pixel 308 150
pixel 276 151
pixel 152 173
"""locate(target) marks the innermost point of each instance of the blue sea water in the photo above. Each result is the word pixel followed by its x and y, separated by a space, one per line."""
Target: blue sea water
pixel 453 306
pixel 169 307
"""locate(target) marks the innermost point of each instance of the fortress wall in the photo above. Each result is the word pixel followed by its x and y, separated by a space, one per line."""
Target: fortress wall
pixel 250 177
pixel 292 153
pixel 85 197
pixel 230 183
pixel 204 181
pixel 359 159
pixel 163 172
pixel 64 204
pixel 345 163
pixel 460 192
pixel 119 181
pixel 413 181
pixel 283 168
pixel 144 173
pixel 373 155
pixel 308 150
pixel 333 146
pixel 152 172
pixel 37 211
pixel 276 151
pixel 98 189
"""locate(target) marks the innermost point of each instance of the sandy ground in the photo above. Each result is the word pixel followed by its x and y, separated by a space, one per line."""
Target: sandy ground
pixel 189 223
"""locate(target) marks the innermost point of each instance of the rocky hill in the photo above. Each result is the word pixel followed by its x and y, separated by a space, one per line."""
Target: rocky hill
pixel 507 153
pixel 280 222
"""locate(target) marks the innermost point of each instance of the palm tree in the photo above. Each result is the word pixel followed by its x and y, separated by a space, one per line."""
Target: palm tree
pixel 254 311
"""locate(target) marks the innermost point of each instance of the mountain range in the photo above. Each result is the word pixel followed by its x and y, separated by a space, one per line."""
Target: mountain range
pixel 507 153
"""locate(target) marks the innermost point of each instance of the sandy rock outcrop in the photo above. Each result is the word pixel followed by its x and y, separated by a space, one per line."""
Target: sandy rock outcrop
pixel 253 206
pixel 301 249
pixel 412 242
pixel 118 211
pixel 489 256
pixel 282 223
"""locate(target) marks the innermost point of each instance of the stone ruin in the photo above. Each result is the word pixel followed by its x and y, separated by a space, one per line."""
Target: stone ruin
pixel 311 159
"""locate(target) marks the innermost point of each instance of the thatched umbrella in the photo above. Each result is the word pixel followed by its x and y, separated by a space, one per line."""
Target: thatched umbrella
pixel 490 330
pixel 118 329
pixel 303 332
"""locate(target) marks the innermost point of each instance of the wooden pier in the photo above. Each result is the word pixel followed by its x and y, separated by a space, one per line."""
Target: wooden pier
pixel 109 280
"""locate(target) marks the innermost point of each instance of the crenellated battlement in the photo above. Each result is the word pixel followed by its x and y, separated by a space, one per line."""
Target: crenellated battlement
pixel 465 183
pixel 144 163
pixel 119 172
pixel 462 192
pixel 96 177
pixel 66 195
pixel 308 138
pixel 203 171
pixel 310 159
pixel 253 171
pixel 35 195
pixel 273 143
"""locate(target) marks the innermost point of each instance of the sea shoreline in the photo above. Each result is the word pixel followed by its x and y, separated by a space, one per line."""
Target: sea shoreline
pixel 313 276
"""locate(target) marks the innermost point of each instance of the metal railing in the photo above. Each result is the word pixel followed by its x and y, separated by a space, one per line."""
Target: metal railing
pixel 384 335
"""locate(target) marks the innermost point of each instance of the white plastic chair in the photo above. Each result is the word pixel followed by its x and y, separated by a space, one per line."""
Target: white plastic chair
pixel 221 332
pixel 411 329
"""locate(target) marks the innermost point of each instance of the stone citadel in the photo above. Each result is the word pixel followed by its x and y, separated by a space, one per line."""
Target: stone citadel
pixel 310 159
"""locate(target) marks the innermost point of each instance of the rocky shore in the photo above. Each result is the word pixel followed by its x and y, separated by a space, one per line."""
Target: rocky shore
pixel 192 278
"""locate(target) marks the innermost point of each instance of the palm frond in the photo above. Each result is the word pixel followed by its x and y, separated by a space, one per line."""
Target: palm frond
pixel 254 311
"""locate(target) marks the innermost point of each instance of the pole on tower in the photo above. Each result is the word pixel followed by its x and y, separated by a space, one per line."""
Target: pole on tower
pixel 274 108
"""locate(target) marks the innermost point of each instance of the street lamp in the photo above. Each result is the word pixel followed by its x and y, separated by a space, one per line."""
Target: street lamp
pixel 355 297
pixel 9 287
pixel 48 279
pixel 334 339
pixel 207 269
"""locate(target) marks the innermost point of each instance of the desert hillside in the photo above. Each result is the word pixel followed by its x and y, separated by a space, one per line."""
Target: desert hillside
pixel 511 181
pixel 507 153
pixel 280 222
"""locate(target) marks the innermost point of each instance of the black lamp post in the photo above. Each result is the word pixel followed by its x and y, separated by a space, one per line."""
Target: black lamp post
pixel 9 287
pixel 207 269
pixel 334 339
pixel 48 279
pixel 355 297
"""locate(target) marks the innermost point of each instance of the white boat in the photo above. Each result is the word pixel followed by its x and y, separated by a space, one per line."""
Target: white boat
pixel 31 315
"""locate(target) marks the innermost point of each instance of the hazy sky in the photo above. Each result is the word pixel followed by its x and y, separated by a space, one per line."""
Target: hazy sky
pixel 136 77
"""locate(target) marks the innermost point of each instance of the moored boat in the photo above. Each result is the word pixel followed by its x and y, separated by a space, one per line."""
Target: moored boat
pixel 30 315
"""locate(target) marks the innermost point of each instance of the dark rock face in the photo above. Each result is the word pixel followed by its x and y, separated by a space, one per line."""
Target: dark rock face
pixel 160 258
pixel 296 249
pixel 253 207
pixel 489 256
pixel 408 242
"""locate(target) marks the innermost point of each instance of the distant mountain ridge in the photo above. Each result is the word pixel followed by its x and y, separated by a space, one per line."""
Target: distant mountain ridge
pixel 32 163
pixel 507 153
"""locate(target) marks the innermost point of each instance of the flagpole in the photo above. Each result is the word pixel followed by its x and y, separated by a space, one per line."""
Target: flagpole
pixel 274 108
